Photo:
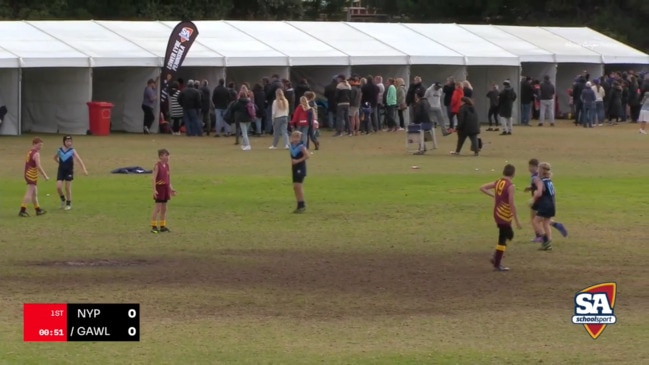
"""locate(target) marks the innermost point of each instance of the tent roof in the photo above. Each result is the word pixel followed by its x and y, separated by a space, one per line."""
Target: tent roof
pixel 154 36
pixel 361 48
pixel 8 59
pixel 38 49
pixel 564 50
pixel 105 47
pixel 238 48
pixel 611 50
pixel 279 43
pixel 301 48
pixel 421 50
pixel 526 51
pixel 476 50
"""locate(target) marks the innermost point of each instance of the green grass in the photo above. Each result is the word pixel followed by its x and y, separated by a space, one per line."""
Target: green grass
pixel 388 266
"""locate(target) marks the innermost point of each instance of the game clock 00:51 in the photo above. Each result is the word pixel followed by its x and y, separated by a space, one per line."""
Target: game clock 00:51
pixel 44 332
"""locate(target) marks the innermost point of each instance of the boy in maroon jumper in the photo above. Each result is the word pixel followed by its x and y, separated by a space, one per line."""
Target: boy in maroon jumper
pixel 32 168
pixel 504 212
pixel 162 192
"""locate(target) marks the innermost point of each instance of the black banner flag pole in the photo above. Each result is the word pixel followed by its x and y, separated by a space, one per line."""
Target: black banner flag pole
pixel 181 39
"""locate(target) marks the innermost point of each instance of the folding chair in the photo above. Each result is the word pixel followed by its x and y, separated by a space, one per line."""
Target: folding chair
pixel 418 134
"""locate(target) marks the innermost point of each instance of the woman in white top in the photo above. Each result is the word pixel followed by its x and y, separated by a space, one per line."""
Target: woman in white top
pixel 644 113
pixel 600 93
pixel 280 119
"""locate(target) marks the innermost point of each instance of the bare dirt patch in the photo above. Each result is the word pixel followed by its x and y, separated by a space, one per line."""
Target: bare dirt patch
pixel 94 263
pixel 311 283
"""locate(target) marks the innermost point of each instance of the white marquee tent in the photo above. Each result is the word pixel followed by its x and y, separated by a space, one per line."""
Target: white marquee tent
pixel 50 69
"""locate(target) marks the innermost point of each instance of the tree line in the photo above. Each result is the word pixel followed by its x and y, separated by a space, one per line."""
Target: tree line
pixel 624 20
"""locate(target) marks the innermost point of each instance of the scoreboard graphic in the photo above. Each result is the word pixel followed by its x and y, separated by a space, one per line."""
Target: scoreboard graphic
pixel 81 322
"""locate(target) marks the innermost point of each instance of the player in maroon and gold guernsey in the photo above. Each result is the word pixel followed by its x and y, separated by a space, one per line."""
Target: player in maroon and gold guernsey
pixel 32 168
pixel 504 212
pixel 162 192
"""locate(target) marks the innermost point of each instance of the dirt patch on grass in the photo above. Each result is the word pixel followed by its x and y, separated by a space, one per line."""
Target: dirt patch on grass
pixel 94 263
pixel 305 283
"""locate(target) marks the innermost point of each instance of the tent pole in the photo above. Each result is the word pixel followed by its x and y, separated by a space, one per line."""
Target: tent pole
pixel 20 101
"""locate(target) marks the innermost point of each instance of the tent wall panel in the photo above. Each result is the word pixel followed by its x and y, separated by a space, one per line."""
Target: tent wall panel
pixel 124 88
pixel 54 100
pixel 318 77
pixel 437 73
pixel 211 74
pixel 566 75
pixel 483 77
pixel 539 70
pixel 9 97
pixel 253 75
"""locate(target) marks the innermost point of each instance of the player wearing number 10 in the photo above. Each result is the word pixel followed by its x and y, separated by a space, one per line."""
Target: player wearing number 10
pixel 504 212
pixel 544 202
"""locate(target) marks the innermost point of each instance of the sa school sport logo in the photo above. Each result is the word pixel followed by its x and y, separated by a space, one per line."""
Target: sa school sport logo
pixel 185 34
pixel 594 308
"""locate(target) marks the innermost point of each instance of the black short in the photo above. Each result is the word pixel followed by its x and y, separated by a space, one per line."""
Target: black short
pixel 545 210
pixel 298 176
pixel 161 201
pixel 505 233
pixel 65 175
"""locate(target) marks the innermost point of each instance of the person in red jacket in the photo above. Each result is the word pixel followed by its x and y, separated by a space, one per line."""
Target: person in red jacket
pixel 456 103
pixel 300 120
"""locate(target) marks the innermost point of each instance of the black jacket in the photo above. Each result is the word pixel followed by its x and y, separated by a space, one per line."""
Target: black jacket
pixel 205 99
pixel 221 97
pixel 506 100
pixel 240 111
pixel 412 90
pixel 448 93
pixel 370 94
pixel 190 98
pixel 527 92
pixel 547 90
pixel 467 120
pixel 421 111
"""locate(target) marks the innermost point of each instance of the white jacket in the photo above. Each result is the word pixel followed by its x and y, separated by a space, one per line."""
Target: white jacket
pixel 434 97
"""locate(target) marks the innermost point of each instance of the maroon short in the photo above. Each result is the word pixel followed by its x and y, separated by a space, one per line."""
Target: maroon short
pixel 164 193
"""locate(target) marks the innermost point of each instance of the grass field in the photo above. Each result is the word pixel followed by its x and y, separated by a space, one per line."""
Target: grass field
pixel 388 266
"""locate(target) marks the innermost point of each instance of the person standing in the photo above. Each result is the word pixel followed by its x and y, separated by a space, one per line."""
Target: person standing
pixel 588 99
pixel 280 119
pixel 221 98
pixel 527 97
pixel 468 125
pixel 504 212
pixel 547 96
pixel 544 202
pixel 299 155
pixel 506 100
pixel 32 168
pixel 492 95
pixel 343 98
pixel 162 192
pixel 65 157
pixel 148 104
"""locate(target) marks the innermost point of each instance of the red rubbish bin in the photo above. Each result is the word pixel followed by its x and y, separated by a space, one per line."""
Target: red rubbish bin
pixel 100 112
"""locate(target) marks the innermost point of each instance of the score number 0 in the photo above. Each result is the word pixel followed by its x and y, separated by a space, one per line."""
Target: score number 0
pixel 132 313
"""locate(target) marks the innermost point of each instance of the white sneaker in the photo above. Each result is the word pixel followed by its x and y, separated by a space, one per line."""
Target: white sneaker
pixel 246 148
pixel 272 148
pixel 62 205
pixel 286 147
pixel 600 124
pixel 642 131
pixel 68 207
